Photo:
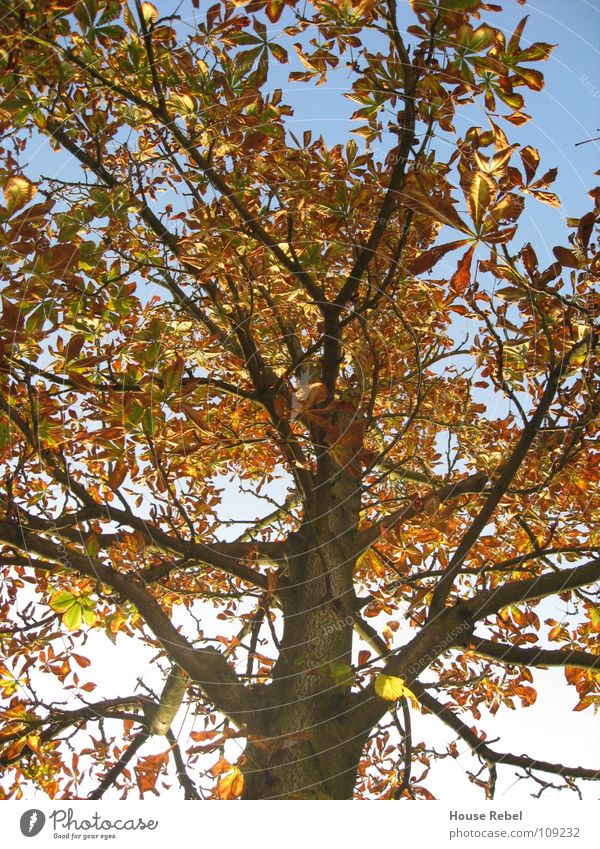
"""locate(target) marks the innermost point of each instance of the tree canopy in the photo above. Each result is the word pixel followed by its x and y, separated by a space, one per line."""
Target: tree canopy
pixel 199 300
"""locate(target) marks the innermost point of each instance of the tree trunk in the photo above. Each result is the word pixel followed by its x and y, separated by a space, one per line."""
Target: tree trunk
pixel 306 748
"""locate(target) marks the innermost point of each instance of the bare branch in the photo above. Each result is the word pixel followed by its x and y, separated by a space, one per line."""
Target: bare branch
pixel 481 748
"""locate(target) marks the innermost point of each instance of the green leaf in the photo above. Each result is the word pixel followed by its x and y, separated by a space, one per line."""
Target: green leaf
pixel 62 601
pixel 73 617
pixel 74 609
pixel 341 673
pixel 90 617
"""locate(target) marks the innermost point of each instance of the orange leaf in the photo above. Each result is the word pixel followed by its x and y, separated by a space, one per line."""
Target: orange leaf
pixel 221 766
pixel 33 741
pixel 147 771
pixel 231 785
pixel 15 749
pixel 462 276
pixel 117 474
pixel 196 417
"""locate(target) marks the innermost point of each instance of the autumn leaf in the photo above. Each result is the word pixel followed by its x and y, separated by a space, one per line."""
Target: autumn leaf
pixel 252 378
pixel 566 257
pixel 15 749
pixel 221 766
pixel 480 193
pixel 531 160
pixel 197 418
pixel 231 785
pixel 427 259
pixel 391 688
pixel 461 278
pixel 74 346
pixel 149 12
pixel 118 473
pixel 415 196
pixel 148 769
pixel 532 78
pixel 18 191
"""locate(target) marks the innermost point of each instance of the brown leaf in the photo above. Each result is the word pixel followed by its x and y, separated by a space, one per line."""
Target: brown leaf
pixel 196 417
pixel 508 209
pixel 529 257
pixel 566 257
pixel 416 196
pixel 74 346
pixel 547 197
pixel 426 260
pixel 585 228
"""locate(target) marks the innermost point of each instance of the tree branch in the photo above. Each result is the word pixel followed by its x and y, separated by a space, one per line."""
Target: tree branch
pixel 563 580
pixel 61 719
pixel 521 656
pixel 398 173
pixel 475 483
pixel 186 782
pixel 115 771
pixel 206 666
pixel 450 627
pixel 221 555
pixel 509 469
pixel 481 748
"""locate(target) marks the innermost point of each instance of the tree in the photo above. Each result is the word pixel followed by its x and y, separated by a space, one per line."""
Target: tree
pixel 362 339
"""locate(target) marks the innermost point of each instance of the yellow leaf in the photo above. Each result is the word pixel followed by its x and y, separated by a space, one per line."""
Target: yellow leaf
pixel 480 194
pixel 18 191
pixel 33 741
pixel 149 12
pixel 391 688
pixel 183 104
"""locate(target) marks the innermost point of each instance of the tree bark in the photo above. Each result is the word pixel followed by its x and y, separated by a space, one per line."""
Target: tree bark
pixel 305 747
